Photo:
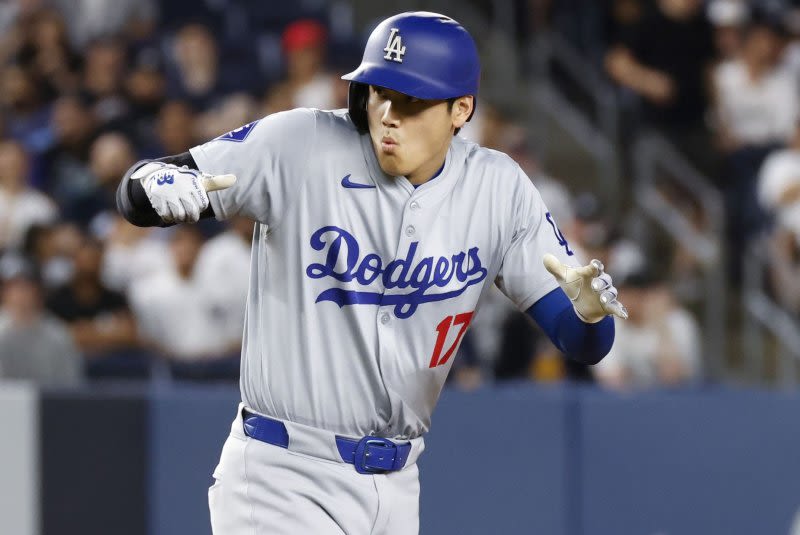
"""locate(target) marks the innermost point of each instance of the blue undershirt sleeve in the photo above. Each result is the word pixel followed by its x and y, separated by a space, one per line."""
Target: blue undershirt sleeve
pixel 584 342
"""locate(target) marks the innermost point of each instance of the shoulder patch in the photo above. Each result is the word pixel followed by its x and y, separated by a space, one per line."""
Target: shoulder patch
pixel 238 135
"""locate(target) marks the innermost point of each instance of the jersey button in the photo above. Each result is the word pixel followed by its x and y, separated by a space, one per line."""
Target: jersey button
pixel 415 206
pixel 384 318
pixel 410 230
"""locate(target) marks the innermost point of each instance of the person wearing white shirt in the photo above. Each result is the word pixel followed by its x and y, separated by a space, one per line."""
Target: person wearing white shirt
pixel 757 97
pixel 20 205
pixel 223 270
pixel 779 184
pixel 779 195
pixel 173 311
pixel 658 346
pixel 133 252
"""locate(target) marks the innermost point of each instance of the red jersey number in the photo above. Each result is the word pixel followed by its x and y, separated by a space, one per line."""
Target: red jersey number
pixel 459 320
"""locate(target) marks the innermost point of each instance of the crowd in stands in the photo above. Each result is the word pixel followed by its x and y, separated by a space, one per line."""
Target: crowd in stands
pixel 89 87
pixel 720 80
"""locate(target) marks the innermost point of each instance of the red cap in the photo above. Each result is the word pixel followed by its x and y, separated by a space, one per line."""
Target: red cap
pixel 303 34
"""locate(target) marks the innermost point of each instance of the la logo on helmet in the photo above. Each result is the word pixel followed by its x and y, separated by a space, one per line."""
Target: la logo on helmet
pixel 394 47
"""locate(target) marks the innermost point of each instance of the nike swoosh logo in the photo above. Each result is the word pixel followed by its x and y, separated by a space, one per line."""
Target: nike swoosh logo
pixel 348 184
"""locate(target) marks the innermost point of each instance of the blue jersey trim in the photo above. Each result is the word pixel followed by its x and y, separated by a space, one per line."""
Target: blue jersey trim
pixel 439 172
pixel 238 135
pixel 584 342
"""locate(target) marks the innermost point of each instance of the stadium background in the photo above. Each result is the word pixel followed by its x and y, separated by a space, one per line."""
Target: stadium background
pixel 664 135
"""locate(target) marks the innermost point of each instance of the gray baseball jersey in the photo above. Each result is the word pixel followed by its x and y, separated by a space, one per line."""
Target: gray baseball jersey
pixel 361 285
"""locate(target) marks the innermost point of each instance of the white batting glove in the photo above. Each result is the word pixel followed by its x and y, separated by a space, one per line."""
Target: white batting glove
pixel 179 194
pixel 589 288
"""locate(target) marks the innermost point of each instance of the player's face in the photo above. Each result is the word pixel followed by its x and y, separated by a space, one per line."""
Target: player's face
pixel 411 136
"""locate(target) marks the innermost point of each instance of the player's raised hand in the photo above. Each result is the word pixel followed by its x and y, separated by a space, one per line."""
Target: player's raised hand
pixel 588 287
pixel 179 194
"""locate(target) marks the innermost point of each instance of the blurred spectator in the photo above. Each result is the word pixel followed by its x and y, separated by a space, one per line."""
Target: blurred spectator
pixel 622 19
pixel 728 18
pixel 103 71
pixel 591 235
pixel 11 16
pixel 485 332
pixel 99 319
pixel 197 76
pixel 779 183
pixel 524 352
pixel 133 253
pixel 784 268
pixel 51 248
pixel 175 129
pixel 73 125
pixel 92 19
pixel 664 59
pixel 231 113
pixel 173 308
pixel 307 83
pixel 109 158
pixel 791 56
pixel 27 119
pixel 223 270
pixel 659 344
pixel 20 206
pixel 518 343
pixel 46 52
pixel 33 345
pixel 498 129
pixel 779 193
pixel 757 99
pixel 146 89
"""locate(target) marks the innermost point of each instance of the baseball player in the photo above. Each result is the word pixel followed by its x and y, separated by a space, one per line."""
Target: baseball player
pixel 378 231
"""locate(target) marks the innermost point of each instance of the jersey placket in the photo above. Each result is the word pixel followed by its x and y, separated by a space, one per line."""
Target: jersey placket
pixel 410 231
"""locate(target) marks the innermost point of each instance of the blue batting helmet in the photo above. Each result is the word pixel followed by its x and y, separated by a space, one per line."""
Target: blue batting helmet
pixel 420 54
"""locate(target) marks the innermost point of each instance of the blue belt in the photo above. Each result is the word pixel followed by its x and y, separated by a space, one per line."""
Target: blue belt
pixel 370 455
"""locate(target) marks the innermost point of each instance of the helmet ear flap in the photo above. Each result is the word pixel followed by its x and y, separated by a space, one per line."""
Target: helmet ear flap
pixel 357 106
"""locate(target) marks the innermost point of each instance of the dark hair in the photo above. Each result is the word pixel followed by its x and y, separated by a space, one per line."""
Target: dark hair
pixel 450 102
pixel 644 277
pixel 357 105
pixel 763 18
pixel 18 267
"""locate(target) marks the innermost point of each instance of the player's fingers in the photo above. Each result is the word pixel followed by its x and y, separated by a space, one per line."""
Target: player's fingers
pixel 617 309
pixel 161 208
pixel 217 182
pixel 192 211
pixel 590 270
pixel 609 295
pixel 608 298
pixel 601 282
pixel 554 266
pixel 176 211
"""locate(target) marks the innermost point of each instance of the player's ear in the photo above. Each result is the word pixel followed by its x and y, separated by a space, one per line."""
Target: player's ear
pixel 462 110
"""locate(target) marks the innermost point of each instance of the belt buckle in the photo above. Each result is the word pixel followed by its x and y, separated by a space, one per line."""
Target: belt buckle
pixel 362 461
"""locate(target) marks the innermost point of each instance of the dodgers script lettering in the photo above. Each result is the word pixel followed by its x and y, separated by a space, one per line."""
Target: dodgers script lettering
pixel 455 273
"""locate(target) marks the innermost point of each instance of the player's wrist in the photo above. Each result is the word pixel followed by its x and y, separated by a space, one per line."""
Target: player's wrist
pixel 589 318
pixel 176 193
pixel 132 200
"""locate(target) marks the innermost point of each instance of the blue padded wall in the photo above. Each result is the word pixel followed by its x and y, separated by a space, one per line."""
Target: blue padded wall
pixel 496 461
pixel 689 463
pixel 188 426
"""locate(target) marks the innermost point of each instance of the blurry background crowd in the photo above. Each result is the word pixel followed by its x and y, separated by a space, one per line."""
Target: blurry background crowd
pixel 663 134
